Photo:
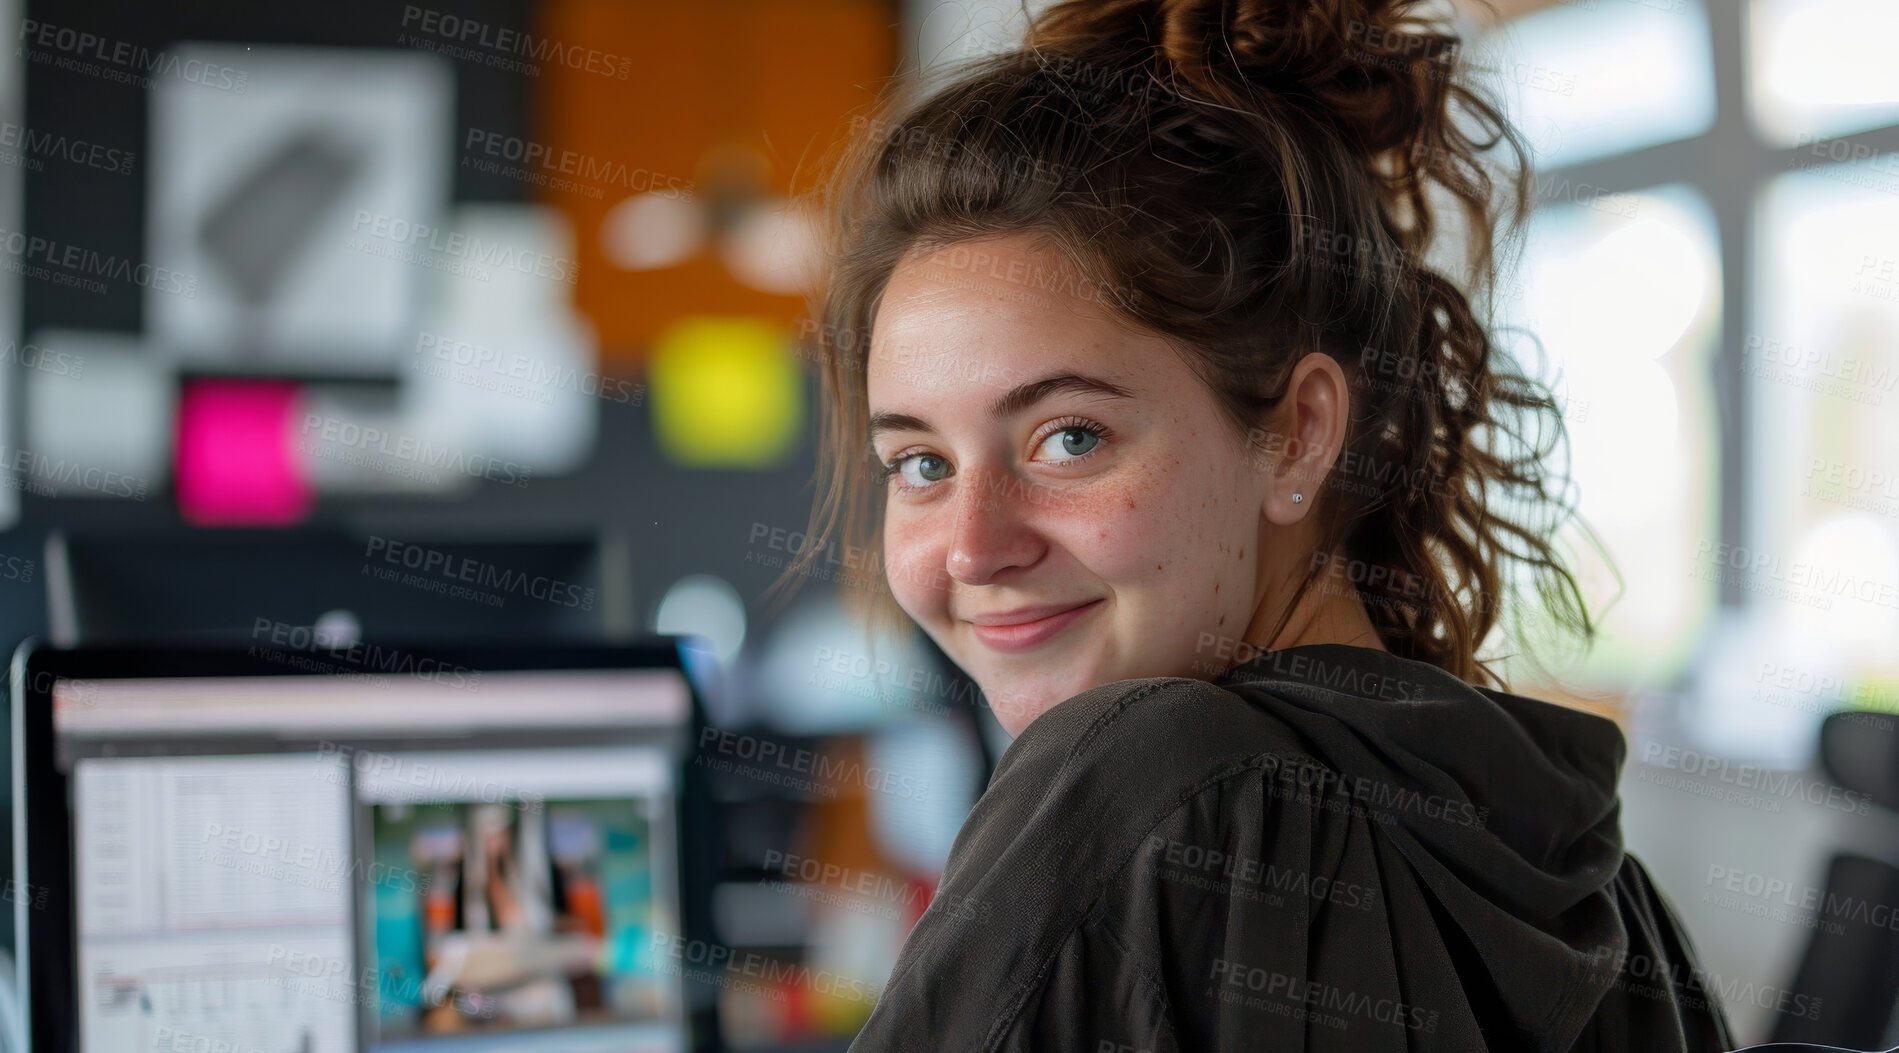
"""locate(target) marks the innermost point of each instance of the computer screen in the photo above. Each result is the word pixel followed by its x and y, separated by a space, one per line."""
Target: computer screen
pixel 439 860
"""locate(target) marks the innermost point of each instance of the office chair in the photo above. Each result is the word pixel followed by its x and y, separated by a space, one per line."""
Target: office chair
pixel 1853 962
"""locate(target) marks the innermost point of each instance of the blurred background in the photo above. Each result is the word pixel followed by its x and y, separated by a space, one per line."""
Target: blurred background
pixel 301 303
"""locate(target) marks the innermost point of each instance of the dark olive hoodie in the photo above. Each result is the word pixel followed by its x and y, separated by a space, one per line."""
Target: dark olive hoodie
pixel 1327 848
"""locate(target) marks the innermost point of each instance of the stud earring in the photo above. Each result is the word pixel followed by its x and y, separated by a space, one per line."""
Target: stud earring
pixel 1296 498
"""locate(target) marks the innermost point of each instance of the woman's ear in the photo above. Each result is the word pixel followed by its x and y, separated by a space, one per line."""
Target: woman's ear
pixel 1307 430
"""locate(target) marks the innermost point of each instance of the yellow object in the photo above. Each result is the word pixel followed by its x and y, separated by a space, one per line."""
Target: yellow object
pixel 836 1013
pixel 726 392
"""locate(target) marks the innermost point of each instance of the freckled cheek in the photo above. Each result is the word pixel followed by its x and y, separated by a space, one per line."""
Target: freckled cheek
pixel 915 555
pixel 1158 538
pixel 1113 534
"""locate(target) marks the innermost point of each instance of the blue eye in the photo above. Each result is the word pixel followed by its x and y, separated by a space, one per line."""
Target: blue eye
pixel 1074 441
pixel 938 471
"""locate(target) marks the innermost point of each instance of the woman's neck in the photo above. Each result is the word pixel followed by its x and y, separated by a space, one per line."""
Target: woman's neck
pixel 1329 612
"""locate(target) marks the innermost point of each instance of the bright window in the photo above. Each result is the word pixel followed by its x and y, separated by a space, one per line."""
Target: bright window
pixel 1823 367
pixel 1821 67
pixel 1591 78
pixel 1623 299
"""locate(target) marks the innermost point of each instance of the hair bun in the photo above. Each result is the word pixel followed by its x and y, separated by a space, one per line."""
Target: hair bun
pixel 1372 68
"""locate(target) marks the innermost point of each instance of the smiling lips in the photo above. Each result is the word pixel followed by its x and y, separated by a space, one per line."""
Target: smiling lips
pixel 1027 627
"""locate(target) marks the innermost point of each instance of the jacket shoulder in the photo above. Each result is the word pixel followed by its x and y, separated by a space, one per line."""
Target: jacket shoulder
pixel 1073 801
pixel 1174 730
pixel 1658 982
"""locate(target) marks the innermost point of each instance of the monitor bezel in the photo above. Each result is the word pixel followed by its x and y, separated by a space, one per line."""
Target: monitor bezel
pixel 45 927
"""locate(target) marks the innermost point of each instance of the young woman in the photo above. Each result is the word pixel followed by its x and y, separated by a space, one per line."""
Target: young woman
pixel 1215 486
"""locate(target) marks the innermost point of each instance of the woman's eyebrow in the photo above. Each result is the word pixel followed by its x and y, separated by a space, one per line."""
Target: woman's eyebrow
pixel 1011 402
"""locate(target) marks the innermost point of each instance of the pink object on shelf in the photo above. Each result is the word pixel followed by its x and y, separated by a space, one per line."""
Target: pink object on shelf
pixel 237 465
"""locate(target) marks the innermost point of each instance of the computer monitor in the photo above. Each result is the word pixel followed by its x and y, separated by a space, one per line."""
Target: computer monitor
pixel 291 848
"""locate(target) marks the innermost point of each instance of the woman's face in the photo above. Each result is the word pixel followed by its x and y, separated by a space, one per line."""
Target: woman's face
pixel 1056 471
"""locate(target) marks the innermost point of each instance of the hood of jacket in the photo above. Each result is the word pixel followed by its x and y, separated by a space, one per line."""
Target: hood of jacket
pixel 1505 806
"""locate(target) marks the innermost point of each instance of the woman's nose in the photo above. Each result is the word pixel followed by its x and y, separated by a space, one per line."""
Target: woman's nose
pixel 991 531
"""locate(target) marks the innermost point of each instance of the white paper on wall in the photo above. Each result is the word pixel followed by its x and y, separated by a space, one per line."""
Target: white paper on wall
pixel 305 205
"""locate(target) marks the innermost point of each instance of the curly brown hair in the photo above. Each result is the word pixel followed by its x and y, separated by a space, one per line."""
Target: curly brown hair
pixel 1255 181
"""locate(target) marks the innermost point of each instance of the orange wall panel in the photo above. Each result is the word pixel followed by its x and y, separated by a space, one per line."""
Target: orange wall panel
pixel 778 80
